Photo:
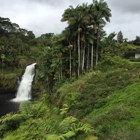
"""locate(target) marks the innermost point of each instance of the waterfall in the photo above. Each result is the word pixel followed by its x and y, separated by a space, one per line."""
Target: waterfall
pixel 25 85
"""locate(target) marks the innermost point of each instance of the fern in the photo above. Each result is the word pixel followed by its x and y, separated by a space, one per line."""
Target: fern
pixel 33 110
pixel 81 127
pixel 35 120
pixel 91 138
pixel 69 134
pixel 12 118
pixel 10 122
pixel 59 137
pixel 39 110
pixel 25 106
pixel 64 110
pixel 81 130
pixel 48 125
pixel 79 137
pixel 53 137
pixel 66 123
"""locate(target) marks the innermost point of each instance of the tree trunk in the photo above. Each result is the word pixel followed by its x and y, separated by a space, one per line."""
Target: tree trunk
pixel 92 56
pixel 87 59
pixel 70 62
pixel 83 59
pixel 74 64
pixel 79 57
pixel 61 74
pixel 97 47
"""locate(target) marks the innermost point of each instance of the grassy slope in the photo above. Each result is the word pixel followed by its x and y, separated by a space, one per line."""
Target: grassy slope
pixel 108 100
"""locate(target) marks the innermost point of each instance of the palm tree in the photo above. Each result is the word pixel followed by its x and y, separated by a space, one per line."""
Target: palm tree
pixel 102 14
pixel 70 16
pixel 78 19
pixel 69 37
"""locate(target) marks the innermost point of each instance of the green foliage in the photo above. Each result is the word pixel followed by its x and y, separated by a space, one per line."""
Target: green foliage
pixel 137 40
pixel 69 128
pixel 35 120
pixel 33 110
pixel 25 107
pixel 11 122
pixel 120 37
pixel 64 110
pixel 14 44
pixel 8 81
pixel 124 133
pixel 111 62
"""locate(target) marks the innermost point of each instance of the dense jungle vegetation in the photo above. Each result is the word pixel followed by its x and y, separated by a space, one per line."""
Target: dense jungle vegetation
pixel 84 88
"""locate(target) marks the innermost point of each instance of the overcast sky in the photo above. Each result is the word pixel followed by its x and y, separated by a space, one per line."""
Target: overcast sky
pixel 43 16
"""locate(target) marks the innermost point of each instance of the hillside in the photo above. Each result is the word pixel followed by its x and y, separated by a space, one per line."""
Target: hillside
pixel 109 100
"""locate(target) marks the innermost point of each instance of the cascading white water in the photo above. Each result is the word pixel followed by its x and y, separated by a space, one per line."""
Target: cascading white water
pixel 24 89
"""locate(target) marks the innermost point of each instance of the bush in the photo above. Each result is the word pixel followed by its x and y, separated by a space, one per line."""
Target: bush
pixel 109 63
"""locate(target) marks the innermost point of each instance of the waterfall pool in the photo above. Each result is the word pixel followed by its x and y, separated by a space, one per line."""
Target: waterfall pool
pixel 6 106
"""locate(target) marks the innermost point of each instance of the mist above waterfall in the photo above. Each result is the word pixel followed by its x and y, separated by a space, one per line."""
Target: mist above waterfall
pixel 25 85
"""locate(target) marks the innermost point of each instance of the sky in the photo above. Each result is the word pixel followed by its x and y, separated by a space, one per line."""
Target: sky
pixel 43 16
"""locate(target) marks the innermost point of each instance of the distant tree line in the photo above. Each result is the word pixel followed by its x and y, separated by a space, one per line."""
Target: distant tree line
pixel 13 42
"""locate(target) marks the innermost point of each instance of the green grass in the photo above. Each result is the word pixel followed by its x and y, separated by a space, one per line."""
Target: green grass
pixel 109 100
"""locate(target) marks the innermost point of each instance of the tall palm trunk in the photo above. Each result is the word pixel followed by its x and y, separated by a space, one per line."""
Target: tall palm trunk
pixel 60 73
pixel 87 66
pixel 61 69
pixel 96 56
pixel 92 47
pixel 92 56
pixel 70 62
pixel 74 68
pixel 79 56
pixel 97 46
pixel 83 58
